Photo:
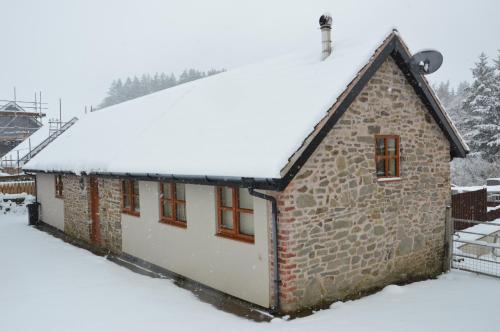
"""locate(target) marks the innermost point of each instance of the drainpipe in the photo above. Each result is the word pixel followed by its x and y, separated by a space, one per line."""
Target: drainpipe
pixel 276 272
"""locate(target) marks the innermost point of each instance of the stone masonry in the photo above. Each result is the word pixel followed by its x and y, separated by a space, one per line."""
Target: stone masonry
pixel 342 232
pixel 110 214
pixel 77 216
pixel 76 207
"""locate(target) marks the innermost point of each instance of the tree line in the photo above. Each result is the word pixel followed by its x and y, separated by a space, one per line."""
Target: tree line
pixel 133 87
pixel 475 110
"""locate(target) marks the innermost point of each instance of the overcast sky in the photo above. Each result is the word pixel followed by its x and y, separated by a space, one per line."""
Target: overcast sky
pixel 74 49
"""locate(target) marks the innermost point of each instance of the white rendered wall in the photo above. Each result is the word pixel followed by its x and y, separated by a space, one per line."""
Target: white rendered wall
pixel 52 208
pixel 234 267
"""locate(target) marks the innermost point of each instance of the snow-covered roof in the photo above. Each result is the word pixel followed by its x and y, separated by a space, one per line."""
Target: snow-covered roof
pixel 11 107
pixel 245 122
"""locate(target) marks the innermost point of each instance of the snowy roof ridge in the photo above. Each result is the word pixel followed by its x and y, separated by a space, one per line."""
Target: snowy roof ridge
pixel 249 122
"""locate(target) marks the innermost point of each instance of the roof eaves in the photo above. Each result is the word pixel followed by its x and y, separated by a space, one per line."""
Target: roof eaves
pixel 247 182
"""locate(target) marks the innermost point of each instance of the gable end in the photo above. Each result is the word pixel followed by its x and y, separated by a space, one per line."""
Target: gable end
pixel 395 48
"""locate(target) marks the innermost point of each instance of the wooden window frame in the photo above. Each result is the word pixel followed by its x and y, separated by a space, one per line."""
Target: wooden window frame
pixel 173 201
pixel 58 182
pixel 131 198
pixel 386 157
pixel 235 232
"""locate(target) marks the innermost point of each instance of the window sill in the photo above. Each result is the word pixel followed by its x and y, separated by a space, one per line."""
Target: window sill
pixel 131 213
pixel 246 239
pixel 58 196
pixel 176 223
pixel 389 179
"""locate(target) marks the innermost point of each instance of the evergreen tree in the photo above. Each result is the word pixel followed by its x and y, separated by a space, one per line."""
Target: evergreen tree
pixel 134 87
pixel 481 108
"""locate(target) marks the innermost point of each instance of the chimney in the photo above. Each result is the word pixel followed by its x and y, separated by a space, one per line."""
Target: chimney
pixel 325 23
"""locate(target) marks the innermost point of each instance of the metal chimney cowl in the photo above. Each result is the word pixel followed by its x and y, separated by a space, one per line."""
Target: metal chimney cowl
pixel 325 23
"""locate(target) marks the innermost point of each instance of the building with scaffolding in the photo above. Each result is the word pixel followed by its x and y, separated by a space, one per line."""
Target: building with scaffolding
pixel 18 120
pixel 23 134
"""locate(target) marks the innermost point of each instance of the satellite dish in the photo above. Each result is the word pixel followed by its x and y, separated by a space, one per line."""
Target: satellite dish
pixel 426 62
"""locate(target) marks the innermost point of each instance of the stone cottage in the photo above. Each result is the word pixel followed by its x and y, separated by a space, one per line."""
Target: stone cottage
pixel 289 184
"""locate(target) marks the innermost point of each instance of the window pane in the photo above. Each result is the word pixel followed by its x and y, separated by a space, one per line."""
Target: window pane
pixel 245 199
pixel 136 187
pixel 381 167
pixel 180 191
pixel 392 167
pixel 380 148
pixel 226 196
pixel 181 212
pixel 227 219
pixel 137 205
pixel 167 209
pixel 246 224
pixel 166 190
pixel 125 193
pixel 391 147
pixel 126 201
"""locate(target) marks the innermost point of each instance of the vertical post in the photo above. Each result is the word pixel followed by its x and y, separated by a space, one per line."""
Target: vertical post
pixel 15 95
pixel 448 249
pixel 17 162
pixel 40 100
pixel 60 114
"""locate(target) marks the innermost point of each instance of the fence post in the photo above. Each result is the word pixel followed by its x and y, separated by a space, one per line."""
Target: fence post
pixel 448 240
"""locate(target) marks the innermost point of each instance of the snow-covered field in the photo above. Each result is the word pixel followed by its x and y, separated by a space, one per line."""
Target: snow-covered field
pixel 48 285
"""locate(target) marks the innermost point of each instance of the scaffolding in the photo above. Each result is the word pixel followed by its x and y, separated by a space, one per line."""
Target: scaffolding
pixel 19 119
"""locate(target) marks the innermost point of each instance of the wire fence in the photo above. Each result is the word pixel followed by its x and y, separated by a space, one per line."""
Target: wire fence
pixel 476 248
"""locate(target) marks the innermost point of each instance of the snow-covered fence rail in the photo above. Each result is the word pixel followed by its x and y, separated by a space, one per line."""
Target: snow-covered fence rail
pixel 494 212
pixel 476 247
pixel 17 185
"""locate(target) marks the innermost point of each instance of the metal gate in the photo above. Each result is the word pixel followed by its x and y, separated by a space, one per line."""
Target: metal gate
pixel 476 246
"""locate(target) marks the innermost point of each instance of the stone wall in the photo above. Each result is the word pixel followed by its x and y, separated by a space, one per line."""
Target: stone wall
pixel 77 217
pixel 110 214
pixel 341 231
pixel 76 207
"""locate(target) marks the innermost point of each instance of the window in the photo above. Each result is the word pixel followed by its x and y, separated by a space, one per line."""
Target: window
pixel 59 186
pixel 173 203
pixel 235 213
pixel 130 197
pixel 387 156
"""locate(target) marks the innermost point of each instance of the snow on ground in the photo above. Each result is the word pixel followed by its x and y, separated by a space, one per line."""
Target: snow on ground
pixel 48 285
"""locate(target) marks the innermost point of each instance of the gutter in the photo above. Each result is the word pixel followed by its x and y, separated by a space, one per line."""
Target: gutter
pixel 276 272
pixel 247 182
